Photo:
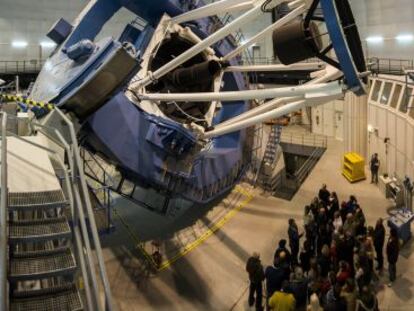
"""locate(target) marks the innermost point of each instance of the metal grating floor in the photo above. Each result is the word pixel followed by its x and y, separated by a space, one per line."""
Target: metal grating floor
pixel 39 229
pixel 47 198
pixel 64 301
pixel 44 266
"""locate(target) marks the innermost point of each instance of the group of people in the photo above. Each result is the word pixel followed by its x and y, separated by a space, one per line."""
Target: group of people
pixel 336 269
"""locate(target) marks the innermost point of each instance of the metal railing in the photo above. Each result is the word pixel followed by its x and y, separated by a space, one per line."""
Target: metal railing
pixel 80 206
pixel 21 66
pixel 3 217
pixel 305 139
pixel 389 65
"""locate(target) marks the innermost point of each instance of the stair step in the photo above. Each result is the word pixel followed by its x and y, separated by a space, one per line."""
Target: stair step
pixel 36 200
pixel 46 289
pixel 64 299
pixel 42 266
pixel 45 250
pixel 39 230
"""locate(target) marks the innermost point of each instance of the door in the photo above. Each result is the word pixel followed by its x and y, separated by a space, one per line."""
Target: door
pixel 339 125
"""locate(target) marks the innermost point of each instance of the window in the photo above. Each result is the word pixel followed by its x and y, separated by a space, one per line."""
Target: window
pixel 377 89
pixel 406 99
pixel 385 96
pixel 396 95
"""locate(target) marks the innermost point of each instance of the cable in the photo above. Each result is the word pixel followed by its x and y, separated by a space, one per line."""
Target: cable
pixel 185 113
pixel 264 6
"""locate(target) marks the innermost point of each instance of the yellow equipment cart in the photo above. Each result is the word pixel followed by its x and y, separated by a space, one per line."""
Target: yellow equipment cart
pixel 353 167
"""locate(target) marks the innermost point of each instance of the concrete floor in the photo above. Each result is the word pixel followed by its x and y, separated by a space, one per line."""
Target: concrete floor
pixel 211 276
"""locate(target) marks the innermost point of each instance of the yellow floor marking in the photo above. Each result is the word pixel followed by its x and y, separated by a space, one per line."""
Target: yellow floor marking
pixel 193 245
pixel 218 225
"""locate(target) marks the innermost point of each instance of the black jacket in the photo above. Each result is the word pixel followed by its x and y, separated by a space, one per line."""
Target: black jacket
pixel 255 270
pixel 393 250
pixel 379 237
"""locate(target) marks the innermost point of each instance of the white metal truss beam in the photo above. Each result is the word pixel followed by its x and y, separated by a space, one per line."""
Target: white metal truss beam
pixel 276 113
pixel 213 9
pixel 255 12
pixel 331 73
pixel 306 91
pixel 256 38
pixel 277 68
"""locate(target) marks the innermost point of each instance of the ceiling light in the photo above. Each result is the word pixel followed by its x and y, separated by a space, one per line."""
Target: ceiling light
pixel 19 44
pixel 405 37
pixel 375 39
pixel 47 44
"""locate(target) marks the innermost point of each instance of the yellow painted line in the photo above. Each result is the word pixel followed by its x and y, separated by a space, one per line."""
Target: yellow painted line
pixel 193 245
pixel 136 240
pixel 218 225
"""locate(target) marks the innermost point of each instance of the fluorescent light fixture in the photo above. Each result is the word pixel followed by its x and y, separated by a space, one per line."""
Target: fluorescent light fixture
pixel 19 44
pixel 405 37
pixel 375 39
pixel 47 44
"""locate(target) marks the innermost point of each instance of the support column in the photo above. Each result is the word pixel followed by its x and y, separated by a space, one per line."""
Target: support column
pixel 356 124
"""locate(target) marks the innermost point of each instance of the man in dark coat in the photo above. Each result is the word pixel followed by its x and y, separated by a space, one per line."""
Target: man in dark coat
pixel 324 195
pixel 256 276
pixel 275 275
pixel 374 165
pixel 282 248
pixel 379 239
pixel 294 240
pixel 393 251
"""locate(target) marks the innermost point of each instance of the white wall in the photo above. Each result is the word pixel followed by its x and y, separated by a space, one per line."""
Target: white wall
pixel 325 120
pixel 397 155
pixel 388 19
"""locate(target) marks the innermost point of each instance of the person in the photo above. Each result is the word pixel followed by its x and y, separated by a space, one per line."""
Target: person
pixel 282 248
pixel 324 195
pixel 349 293
pixel 344 273
pixel 294 238
pixel 367 300
pixel 299 286
pixel 350 224
pixel 337 303
pixel 374 166
pixel 256 276
pixel 305 256
pixel 393 251
pixel 275 275
pixel 359 220
pixel 324 261
pixel 337 222
pixel 379 240
pixel 333 205
pixel 282 300
pixel 314 304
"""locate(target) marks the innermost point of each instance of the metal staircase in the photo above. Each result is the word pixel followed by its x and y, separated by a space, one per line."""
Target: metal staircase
pixel 270 158
pixel 46 237
pixel 42 266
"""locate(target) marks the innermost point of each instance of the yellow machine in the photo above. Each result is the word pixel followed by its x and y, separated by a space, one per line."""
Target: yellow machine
pixel 353 167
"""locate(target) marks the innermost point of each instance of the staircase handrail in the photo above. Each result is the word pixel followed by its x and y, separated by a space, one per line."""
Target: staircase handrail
pixel 3 217
pixel 78 199
pixel 86 199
